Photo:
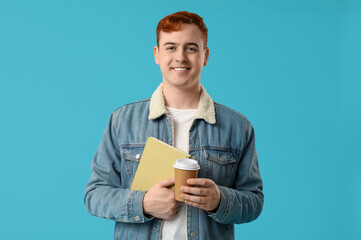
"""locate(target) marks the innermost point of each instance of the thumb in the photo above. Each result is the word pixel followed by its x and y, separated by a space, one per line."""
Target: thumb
pixel 166 183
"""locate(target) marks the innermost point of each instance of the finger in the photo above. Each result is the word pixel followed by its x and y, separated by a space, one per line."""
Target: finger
pixel 174 209
pixel 195 190
pixel 177 207
pixel 204 182
pixel 194 199
pixel 197 205
pixel 166 183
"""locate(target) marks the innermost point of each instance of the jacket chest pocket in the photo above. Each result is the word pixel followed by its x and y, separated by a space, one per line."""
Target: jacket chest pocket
pixel 220 166
pixel 131 157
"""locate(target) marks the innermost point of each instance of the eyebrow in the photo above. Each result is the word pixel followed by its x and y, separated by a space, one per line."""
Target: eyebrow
pixel 177 44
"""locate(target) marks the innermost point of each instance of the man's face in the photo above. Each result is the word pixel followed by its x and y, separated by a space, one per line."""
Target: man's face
pixel 181 56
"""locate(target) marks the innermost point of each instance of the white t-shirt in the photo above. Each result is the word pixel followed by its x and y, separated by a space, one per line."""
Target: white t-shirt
pixel 176 228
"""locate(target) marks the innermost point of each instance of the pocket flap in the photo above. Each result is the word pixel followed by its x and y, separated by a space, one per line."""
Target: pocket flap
pixel 131 153
pixel 220 157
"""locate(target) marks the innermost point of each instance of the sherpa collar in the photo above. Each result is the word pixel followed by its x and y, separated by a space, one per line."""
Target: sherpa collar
pixel 205 107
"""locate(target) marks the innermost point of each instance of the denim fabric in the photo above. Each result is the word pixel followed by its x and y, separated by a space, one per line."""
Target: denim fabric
pixel 225 151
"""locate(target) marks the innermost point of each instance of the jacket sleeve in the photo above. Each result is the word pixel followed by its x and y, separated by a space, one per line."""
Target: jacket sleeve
pixel 243 202
pixel 104 196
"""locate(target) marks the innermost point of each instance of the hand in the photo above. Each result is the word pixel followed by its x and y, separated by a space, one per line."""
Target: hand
pixel 159 200
pixel 206 194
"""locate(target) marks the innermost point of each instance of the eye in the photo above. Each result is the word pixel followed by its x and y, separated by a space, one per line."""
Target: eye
pixel 170 48
pixel 191 49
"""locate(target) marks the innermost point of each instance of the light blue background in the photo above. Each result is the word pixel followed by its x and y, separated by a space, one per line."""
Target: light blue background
pixel 292 67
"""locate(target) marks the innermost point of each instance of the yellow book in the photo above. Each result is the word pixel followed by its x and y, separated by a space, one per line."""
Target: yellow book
pixel 156 164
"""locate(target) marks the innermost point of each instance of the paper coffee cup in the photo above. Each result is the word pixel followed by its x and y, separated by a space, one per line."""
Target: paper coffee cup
pixel 184 168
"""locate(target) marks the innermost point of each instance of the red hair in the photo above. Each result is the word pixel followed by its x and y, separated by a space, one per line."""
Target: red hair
pixel 175 21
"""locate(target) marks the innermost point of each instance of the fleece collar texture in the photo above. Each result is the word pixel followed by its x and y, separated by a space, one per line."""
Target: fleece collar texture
pixel 205 109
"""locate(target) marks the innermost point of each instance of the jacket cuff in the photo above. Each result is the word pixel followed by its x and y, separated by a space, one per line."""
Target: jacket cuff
pixel 135 207
pixel 222 208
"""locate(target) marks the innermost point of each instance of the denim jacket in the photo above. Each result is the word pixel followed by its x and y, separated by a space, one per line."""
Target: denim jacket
pixel 220 139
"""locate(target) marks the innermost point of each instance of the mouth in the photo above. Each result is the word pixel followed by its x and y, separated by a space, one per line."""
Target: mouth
pixel 180 69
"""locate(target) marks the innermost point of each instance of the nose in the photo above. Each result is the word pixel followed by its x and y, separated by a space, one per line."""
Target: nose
pixel 181 56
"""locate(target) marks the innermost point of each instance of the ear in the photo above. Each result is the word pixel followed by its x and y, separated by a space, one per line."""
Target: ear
pixel 206 55
pixel 156 51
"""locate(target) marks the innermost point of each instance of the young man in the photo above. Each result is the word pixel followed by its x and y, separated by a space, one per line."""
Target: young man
pixel 228 189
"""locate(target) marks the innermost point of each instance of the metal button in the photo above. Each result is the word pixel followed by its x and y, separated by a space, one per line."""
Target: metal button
pixel 137 156
pixel 137 218
pixel 194 157
pixel 193 234
pixel 154 229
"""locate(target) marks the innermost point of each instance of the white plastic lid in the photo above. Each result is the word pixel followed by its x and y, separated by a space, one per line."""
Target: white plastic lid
pixel 186 164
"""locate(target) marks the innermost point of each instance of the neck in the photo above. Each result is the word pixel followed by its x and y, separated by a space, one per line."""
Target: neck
pixel 181 98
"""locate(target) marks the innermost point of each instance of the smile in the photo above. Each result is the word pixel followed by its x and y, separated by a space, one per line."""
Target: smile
pixel 181 69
